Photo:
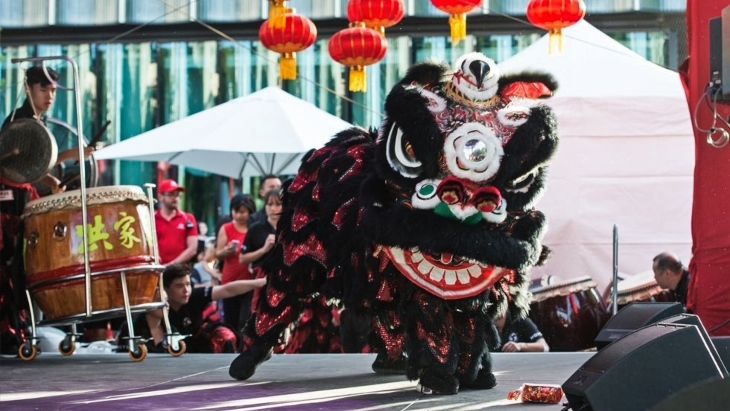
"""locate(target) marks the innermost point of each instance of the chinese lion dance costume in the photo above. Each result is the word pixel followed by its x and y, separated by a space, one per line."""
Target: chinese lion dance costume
pixel 426 225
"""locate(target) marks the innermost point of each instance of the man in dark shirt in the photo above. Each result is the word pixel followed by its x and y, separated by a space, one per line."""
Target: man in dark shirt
pixel 670 274
pixel 268 182
pixel 520 334
pixel 191 313
pixel 40 89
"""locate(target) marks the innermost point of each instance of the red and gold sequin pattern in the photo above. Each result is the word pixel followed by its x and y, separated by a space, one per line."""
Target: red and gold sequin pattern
pixel 311 248
pixel 337 219
pixel 385 292
pixel 357 152
pixel 223 340
pixel 468 335
pixel 543 393
pixel 438 335
pixel 300 218
pixel 273 296
pixel 392 340
pixel 301 180
pixel 266 320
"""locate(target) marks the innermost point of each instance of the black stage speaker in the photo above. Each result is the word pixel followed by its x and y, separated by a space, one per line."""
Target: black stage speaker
pixel 691 319
pixel 633 317
pixel 722 345
pixel 711 395
pixel 641 369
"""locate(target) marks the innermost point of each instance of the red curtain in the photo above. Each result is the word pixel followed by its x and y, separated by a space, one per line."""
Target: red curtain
pixel 709 289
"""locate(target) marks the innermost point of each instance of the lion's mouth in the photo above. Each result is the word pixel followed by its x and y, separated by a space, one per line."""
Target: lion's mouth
pixel 445 275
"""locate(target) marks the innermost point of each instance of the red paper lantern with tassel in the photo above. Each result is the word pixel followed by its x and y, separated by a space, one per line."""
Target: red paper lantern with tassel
pixel 357 47
pixel 555 15
pixel 298 34
pixel 457 10
pixel 376 14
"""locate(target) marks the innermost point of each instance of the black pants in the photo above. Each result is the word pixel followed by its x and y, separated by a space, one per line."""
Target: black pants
pixel 236 310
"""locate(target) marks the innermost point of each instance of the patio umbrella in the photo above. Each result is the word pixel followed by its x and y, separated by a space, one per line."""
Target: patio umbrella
pixel 265 132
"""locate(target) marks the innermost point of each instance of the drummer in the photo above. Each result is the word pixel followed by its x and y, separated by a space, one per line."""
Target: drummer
pixel 40 90
pixel 671 274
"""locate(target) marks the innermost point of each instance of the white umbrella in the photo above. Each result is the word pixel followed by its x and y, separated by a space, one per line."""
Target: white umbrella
pixel 265 132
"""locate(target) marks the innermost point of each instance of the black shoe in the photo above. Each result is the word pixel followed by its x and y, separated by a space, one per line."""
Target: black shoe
pixel 432 382
pixel 244 366
pixel 384 365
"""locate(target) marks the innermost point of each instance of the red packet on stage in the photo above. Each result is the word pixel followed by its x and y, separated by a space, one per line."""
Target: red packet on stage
pixel 544 393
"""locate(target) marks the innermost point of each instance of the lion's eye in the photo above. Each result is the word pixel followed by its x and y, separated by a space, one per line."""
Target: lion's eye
pixel 400 154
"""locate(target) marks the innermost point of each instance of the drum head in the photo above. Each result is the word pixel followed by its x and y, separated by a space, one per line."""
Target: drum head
pixel 28 151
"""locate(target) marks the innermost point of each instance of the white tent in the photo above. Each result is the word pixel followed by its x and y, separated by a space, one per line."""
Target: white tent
pixel 265 132
pixel 626 157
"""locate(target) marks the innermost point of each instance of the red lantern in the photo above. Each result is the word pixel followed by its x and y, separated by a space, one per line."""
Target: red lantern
pixel 357 47
pixel 457 10
pixel 298 34
pixel 277 13
pixel 555 15
pixel 376 14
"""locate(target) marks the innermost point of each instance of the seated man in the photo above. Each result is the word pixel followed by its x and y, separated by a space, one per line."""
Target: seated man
pixel 670 273
pixel 520 335
pixel 192 313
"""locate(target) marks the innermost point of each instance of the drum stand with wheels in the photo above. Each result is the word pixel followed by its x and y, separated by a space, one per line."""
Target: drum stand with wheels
pixel 137 349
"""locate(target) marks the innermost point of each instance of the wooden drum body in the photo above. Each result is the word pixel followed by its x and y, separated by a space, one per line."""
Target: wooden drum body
pixel 120 240
pixel 569 315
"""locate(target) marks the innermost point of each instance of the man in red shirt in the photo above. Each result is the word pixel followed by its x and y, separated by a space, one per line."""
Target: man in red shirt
pixel 177 231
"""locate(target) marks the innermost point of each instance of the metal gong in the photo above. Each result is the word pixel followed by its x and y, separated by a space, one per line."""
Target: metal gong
pixel 28 151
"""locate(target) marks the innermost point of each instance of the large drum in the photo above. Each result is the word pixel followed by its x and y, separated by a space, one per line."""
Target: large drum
pixel 641 287
pixel 120 240
pixel 569 314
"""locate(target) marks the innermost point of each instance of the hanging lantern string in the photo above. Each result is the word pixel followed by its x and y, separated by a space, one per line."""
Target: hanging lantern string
pixel 175 8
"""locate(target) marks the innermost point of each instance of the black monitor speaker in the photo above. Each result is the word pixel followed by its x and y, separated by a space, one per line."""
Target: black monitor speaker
pixel 633 317
pixel 710 395
pixel 691 319
pixel 641 369
pixel 722 345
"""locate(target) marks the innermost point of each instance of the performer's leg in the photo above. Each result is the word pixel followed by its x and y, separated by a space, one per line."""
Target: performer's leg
pixel 264 329
pixel 432 349
pixel 388 340
pixel 475 367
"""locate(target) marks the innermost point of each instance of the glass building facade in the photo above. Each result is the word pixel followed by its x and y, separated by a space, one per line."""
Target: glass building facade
pixel 145 63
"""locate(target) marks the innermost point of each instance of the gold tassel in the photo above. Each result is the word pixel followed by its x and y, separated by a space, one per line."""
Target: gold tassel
pixel 457 22
pixel 288 66
pixel 357 79
pixel 277 14
pixel 555 41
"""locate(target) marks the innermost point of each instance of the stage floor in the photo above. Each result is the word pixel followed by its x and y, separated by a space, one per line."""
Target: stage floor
pixel 285 382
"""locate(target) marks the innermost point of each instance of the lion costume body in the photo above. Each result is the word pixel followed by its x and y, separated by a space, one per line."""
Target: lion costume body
pixel 427 226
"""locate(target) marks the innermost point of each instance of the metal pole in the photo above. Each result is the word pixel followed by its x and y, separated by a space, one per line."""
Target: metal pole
pixel 614 291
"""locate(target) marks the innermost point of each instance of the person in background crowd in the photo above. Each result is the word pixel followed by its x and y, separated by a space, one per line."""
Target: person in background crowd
pixel 262 237
pixel 268 183
pixel 231 236
pixel 520 335
pixel 192 313
pixel 204 271
pixel 670 274
pixel 202 230
pixel 177 231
